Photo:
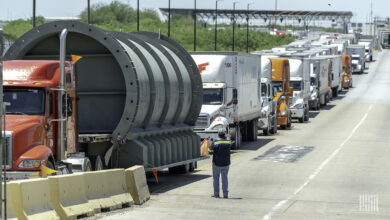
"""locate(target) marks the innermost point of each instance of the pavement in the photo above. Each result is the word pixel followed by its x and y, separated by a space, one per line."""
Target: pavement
pixel 336 166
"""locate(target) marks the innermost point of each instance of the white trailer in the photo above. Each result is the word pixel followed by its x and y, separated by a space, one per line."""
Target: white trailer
pixel 231 95
pixel 318 82
pixel 337 68
pixel 268 122
pixel 368 46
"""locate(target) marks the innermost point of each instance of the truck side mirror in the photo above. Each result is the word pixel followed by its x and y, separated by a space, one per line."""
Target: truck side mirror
pixel 291 91
pixel 66 105
pixel 235 100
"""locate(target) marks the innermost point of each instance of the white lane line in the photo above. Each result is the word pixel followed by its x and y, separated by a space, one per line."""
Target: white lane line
pixel 268 216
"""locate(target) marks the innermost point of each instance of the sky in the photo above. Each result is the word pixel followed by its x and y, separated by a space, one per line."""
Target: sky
pixel 14 9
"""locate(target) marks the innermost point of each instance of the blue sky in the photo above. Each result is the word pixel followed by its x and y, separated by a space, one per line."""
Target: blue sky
pixel 13 9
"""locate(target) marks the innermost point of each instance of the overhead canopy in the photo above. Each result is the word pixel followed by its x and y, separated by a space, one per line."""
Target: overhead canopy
pixel 264 14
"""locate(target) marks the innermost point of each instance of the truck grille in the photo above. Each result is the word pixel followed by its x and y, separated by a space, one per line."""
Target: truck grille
pixel 7 142
pixel 202 122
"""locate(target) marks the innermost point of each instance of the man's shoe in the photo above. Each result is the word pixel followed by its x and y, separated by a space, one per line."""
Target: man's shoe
pixel 225 197
pixel 215 195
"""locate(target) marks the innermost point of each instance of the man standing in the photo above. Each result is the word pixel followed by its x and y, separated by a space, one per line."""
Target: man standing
pixel 220 149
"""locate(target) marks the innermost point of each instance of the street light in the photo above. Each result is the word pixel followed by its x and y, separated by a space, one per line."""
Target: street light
pixel 89 12
pixel 234 23
pixel 33 17
pixel 247 27
pixel 194 25
pixel 137 15
pixel 215 26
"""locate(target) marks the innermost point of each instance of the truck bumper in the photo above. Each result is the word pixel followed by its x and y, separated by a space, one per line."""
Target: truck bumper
pixel 210 135
pixel 20 175
pixel 262 123
pixel 297 113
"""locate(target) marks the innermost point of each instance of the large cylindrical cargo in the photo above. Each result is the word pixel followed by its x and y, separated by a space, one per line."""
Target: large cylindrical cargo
pixel 142 88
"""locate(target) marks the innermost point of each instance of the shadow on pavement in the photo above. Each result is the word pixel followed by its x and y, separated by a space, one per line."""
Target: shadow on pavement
pixel 257 144
pixel 313 114
pixel 327 107
pixel 168 181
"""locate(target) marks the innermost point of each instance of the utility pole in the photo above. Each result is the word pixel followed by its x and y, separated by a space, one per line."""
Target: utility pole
pixel 371 22
pixel 89 11
pixel 137 15
pixel 34 10
pixel 169 18
pixel 247 27
pixel 216 23
pixel 194 25
pixel 234 23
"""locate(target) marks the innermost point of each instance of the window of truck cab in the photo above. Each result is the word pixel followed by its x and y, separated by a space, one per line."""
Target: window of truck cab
pixel 24 100
pixel 213 96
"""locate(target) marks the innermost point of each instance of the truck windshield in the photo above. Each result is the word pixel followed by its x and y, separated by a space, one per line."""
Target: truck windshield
pixel 212 96
pixel 278 85
pixel 313 81
pixel 297 85
pixel 24 101
pixel 263 90
pixel 355 58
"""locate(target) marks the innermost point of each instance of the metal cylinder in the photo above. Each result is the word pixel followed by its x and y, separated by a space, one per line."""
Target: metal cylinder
pixel 129 85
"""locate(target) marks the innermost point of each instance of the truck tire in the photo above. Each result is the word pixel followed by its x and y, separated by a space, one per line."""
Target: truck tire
pixel 289 121
pixel 318 105
pixel 50 165
pixel 237 138
pixel 306 116
pixel 87 165
pixel 253 129
pixel 96 162
pixel 266 132
pixel 301 119
pixel 274 129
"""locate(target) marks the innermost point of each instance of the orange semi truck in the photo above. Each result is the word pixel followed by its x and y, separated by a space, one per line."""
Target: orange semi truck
pixel 121 104
pixel 347 72
pixel 281 83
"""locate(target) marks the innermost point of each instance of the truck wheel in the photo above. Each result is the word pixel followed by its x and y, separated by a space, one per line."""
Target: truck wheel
pixel 265 132
pixel 50 165
pixel 87 165
pixel 306 116
pixel 96 162
pixel 252 130
pixel 274 129
pixel 318 105
pixel 301 119
pixel 289 121
pixel 237 138
pixel 193 166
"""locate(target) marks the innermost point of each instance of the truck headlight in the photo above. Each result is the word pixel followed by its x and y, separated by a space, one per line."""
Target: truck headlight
pixel 217 127
pixel 29 164
pixel 283 113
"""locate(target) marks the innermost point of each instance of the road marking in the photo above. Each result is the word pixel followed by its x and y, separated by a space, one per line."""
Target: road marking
pixel 275 208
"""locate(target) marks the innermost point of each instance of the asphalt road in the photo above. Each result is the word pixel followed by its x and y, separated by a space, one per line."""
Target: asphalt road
pixel 336 166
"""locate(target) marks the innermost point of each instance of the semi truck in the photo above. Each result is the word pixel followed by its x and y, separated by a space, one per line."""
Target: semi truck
pixel 300 82
pixel 319 94
pixel 268 122
pixel 125 99
pixel 368 46
pixel 347 72
pixel 385 39
pixel 336 71
pixel 231 95
pixel 281 83
pixel 358 58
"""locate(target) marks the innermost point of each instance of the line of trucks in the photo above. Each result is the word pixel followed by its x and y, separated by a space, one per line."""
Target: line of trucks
pixel 79 98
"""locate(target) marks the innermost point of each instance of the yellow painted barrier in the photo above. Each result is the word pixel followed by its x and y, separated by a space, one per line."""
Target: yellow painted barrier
pixel 68 196
pixel 12 206
pixel 97 191
pixel 136 184
pixel 31 198
pixel 118 187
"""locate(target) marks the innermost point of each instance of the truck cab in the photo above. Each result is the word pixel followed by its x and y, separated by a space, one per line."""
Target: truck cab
pixel 281 83
pixel 347 72
pixel 368 47
pixel 32 116
pixel 358 58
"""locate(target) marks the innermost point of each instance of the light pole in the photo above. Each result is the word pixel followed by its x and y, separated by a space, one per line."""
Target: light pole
pixel 216 23
pixel 194 25
pixel 247 27
pixel 234 23
pixel 169 18
pixel 89 12
pixel 137 15
pixel 33 17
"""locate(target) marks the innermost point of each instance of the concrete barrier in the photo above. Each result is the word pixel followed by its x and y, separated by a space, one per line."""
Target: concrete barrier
pixel 68 196
pixel 12 206
pixel 97 191
pixel 118 188
pixel 31 198
pixel 136 184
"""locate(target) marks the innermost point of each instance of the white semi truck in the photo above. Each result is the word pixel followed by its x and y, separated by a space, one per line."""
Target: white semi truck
pixel 318 82
pixel 358 57
pixel 268 122
pixel 300 82
pixel 368 46
pixel 231 95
